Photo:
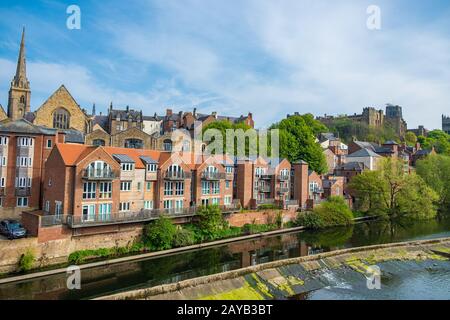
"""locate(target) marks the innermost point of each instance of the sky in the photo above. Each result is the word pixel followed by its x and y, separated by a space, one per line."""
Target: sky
pixel 271 58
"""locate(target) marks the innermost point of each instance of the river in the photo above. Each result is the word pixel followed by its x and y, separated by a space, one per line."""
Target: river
pixel 177 267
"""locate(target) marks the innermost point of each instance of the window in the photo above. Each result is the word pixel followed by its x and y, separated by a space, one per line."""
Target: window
pixel 24 142
pixel 227 184
pixel 168 204
pixel 88 212
pixel 125 186
pixel 179 206
pixel 229 169
pixel 50 182
pixel 127 166
pixel 89 189
pixel 49 144
pixel 104 211
pixel 168 188
pixel 105 190
pixel 134 144
pixel 215 201
pixel 24 162
pixel 58 208
pixel 175 171
pixel 98 142
pixel 179 188
pixel 167 145
pixel 152 167
pixel 1 202
pixel 61 119
pixel 216 187
pixel 148 205
pixel 205 187
pixel 47 206
pixel 139 186
pixel 227 200
pixel 149 186
pixel 23 182
pixel 99 169
pixel 186 146
pixel 124 206
pixel 22 202
pixel 3 141
pixel 3 161
pixel 2 182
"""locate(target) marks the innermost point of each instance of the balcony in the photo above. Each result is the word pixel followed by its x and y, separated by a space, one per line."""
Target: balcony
pixel 283 178
pixel 264 176
pixel 265 201
pixel 100 174
pixel 283 190
pixel 213 175
pixel 174 175
pixel 132 217
pixel 23 192
pixel 264 189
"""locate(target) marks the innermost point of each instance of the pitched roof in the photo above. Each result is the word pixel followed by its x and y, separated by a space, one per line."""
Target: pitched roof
pixel 353 166
pixel 123 158
pixel 24 126
pixel 363 153
pixel 126 114
pixel 72 153
pixel 390 142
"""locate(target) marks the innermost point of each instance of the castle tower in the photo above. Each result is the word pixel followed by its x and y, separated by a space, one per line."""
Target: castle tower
pixel 19 92
pixel 446 124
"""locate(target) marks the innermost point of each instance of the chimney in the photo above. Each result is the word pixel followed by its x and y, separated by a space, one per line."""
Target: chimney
pixel 111 106
pixel 214 114
pixel 195 112
pixel 168 112
pixel 128 108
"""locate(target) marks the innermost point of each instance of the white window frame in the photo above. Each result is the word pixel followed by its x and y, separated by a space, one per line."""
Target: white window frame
pixel 89 190
pixel 125 186
pixel 22 202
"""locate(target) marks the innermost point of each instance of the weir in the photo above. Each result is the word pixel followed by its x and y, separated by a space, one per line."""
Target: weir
pixel 293 278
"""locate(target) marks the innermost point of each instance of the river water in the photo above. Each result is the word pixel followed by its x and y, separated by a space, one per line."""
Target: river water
pixel 168 269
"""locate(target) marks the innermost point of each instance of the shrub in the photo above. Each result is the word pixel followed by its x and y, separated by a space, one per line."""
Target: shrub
pixel 26 261
pixel 279 219
pixel 257 228
pixel 159 234
pixel 333 212
pixel 211 222
pixel 183 237
pixel 268 206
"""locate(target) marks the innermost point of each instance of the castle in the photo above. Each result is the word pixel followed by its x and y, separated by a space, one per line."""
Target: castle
pixel 446 124
pixel 374 118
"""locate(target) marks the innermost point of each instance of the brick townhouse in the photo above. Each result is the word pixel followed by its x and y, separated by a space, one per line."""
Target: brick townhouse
pixel 98 184
pixel 270 181
pixel 24 149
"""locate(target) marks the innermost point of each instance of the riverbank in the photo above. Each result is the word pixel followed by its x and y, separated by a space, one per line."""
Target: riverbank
pixel 136 257
pixel 287 278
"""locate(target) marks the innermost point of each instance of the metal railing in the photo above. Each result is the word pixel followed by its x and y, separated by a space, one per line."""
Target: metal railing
pixel 265 176
pixel 283 190
pixel 264 189
pixel 265 201
pixel 52 220
pixel 291 202
pixel 98 174
pixel 139 216
pixel 283 177
pixel 176 175
pixel 213 175
pixel 23 192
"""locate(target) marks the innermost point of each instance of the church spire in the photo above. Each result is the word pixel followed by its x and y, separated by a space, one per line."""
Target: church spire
pixel 20 93
pixel 20 79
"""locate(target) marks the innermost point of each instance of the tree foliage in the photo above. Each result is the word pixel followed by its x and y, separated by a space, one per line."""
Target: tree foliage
pixel 394 192
pixel 410 138
pixel 437 139
pixel 333 212
pixel 298 141
pixel 160 234
pixel 435 171
pixel 210 221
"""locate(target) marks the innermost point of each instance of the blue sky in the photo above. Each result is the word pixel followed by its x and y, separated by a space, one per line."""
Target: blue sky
pixel 236 56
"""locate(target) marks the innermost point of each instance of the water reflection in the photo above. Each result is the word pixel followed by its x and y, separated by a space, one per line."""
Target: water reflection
pixel 169 269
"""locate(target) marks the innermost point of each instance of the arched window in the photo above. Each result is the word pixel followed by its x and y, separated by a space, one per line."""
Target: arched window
pixel 98 142
pixel 167 145
pixel 22 99
pixel 175 171
pixel 99 169
pixel 61 119
pixel 211 169
pixel 134 144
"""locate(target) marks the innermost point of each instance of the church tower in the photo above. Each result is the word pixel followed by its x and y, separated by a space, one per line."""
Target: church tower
pixel 20 93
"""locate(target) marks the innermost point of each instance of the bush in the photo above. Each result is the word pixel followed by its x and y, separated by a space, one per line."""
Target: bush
pixel 268 206
pixel 159 234
pixel 211 222
pixel 26 261
pixel 183 237
pixel 258 228
pixel 333 212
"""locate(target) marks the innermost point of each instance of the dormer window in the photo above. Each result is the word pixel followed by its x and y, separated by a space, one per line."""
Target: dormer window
pixel 127 166
pixel 152 167
pixel 229 169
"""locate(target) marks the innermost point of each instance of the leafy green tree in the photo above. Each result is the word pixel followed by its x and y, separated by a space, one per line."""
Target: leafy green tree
pixel 394 192
pixel 410 138
pixel 210 221
pixel 437 139
pixel 333 212
pixel 160 234
pixel 183 237
pixel 435 171
pixel 298 141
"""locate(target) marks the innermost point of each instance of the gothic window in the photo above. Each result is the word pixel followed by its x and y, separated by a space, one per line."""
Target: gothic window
pixel 98 142
pixel 22 99
pixel 134 144
pixel 61 119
